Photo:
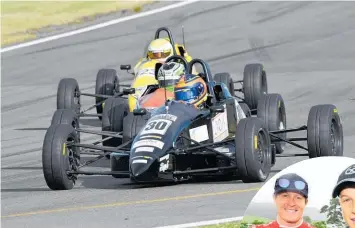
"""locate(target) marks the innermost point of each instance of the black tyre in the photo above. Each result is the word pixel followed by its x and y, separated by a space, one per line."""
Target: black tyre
pixel 65 116
pixel 324 131
pixel 68 94
pixel 119 163
pixel 245 109
pixel 132 125
pixel 107 83
pixel 253 150
pixel 226 79
pixel 115 110
pixel 254 84
pixel 58 158
pixel 271 110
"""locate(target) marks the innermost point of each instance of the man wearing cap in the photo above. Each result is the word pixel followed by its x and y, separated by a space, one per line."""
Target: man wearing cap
pixel 291 198
pixel 345 190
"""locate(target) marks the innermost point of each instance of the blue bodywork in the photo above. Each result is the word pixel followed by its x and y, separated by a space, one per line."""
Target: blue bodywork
pixel 179 116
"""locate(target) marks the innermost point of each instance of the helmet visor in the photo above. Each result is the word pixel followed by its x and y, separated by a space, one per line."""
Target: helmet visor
pixel 186 95
pixel 158 55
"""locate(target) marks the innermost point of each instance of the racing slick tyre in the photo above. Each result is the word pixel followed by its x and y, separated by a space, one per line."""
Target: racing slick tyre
pixel 133 124
pixel 253 150
pixel 226 79
pixel 254 84
pixel 107 83
pixel 66 116
pixel 324 131
pixel 68 95
pixel 245 109
pixel 271 109
pixel 115 109
pixel 58 157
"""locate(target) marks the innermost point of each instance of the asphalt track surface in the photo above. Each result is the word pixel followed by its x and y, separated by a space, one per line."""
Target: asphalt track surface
pixel 308 52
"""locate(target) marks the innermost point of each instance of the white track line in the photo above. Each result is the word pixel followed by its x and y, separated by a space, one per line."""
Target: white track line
pixel 97 26
pixel 204 223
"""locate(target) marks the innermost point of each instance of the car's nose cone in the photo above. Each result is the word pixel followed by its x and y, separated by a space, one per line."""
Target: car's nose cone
pixel 143 169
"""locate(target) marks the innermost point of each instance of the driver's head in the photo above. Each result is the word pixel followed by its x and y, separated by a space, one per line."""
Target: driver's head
pixel 191 89
pixel 160 49
pixel 169 74
pixel 290 198
pixel 345 190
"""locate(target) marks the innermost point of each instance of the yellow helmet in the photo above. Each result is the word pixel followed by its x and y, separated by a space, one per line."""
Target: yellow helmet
pixel 160 49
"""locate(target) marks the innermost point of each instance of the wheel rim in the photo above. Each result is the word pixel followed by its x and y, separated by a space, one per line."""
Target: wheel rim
pixel 76 99
pixel 262 154
pixel 334 137
pixel 263 84
pixel 282 126
pixel 73 159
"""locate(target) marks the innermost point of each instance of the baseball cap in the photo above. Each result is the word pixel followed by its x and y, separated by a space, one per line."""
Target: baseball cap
pixel 291 182
pixel 345 178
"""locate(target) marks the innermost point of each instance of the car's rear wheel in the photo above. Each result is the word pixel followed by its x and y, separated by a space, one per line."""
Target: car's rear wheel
pixel 324 131
pixel 254 84
pixel 107 83
pixel 68 95
pixel 133 124
pixel 271 109
pixel 227 80
pixel 115 110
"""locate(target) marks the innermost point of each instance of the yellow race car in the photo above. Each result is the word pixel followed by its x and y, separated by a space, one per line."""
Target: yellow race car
pixel 107 82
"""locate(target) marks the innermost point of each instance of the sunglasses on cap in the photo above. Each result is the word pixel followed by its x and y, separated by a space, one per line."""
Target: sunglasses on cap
pixel 285 183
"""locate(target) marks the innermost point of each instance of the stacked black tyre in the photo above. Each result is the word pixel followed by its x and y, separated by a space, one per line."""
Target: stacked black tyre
pixel 107 83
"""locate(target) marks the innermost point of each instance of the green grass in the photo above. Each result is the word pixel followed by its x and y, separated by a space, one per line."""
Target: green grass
pixel 251 219
pixel 20 19
pixel 224 225
pixel 246 219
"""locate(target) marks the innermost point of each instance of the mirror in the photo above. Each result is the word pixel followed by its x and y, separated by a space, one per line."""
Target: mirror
pixel 140 112
pixel 125 67
pixel 127 91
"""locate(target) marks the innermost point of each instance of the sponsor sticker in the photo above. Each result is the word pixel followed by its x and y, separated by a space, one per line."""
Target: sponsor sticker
pixel 139 161
pixel 148 142
pixel 144 149
pixel 199 134
pixel 220 127
pixel 156 127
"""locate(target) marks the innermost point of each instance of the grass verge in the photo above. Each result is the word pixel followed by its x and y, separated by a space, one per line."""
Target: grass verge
pixel 224 225
pixel 247 220
pixel 20 20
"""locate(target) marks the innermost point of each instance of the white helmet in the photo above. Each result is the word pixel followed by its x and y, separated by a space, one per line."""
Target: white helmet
pixel 160 49
pixel 170 73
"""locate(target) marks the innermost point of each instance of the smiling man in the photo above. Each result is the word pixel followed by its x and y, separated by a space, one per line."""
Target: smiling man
pixel 345 190
pixel 291 198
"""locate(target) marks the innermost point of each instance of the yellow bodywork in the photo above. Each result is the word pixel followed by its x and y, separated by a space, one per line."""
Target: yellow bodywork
pixel 144 72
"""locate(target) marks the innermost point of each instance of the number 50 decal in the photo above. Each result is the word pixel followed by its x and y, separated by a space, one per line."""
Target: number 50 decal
pixel 156 127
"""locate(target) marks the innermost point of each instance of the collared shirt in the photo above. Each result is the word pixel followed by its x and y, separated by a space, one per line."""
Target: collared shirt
pixel 276 224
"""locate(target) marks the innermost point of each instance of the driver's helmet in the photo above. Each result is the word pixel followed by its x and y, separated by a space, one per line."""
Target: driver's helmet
pixel 191 89
pixel 160 49
pixel 169 74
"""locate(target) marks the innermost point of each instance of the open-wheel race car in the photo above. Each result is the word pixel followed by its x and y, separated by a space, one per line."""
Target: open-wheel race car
pixel 108 83
pixel 177 141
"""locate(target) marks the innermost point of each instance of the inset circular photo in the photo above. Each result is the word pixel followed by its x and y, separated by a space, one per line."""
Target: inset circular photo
pixel 318 192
